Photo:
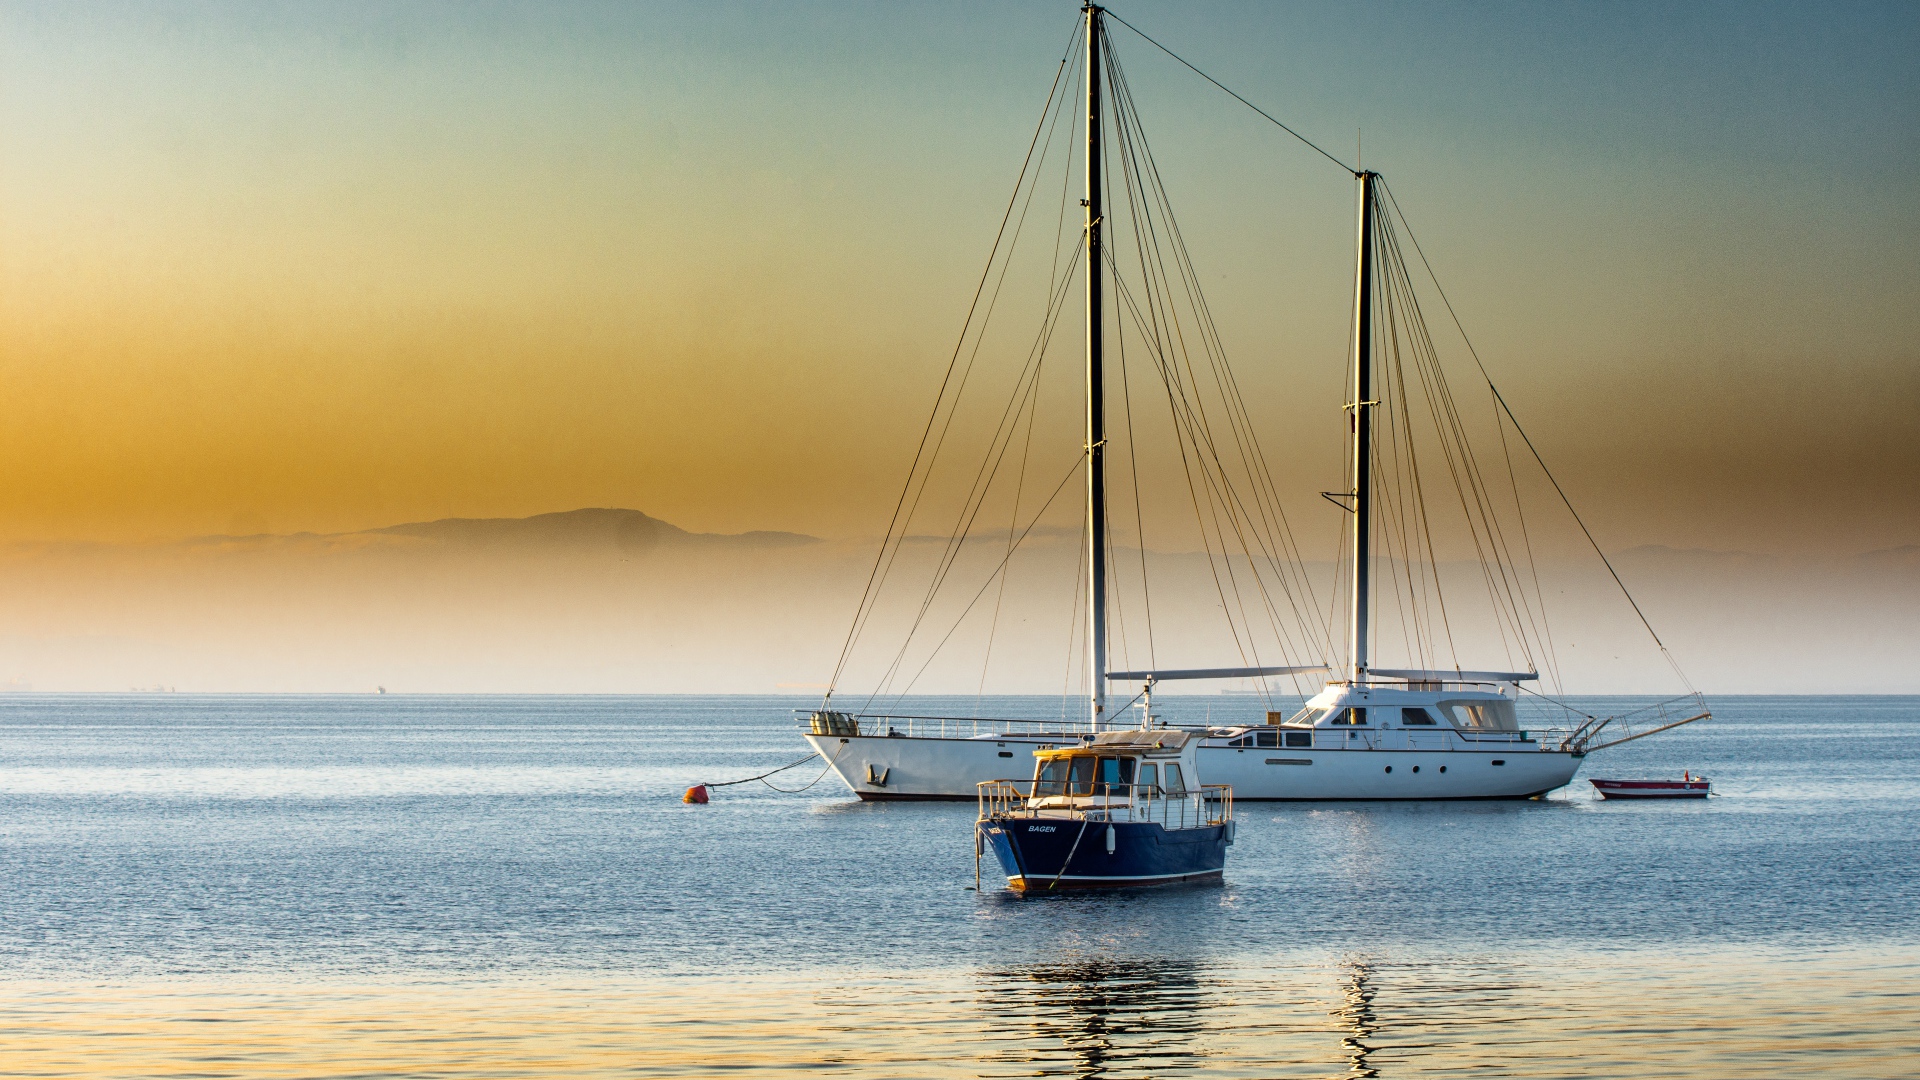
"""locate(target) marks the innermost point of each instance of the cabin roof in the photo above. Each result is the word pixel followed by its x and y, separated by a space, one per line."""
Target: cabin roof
pixel 1157 743
pixel 1338 695
pixel 1158 739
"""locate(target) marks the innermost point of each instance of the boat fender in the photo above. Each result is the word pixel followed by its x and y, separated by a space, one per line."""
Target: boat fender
pixel 1109 839
pixel 695 794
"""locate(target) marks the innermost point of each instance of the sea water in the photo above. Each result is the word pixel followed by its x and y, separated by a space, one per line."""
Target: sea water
pixel 511 887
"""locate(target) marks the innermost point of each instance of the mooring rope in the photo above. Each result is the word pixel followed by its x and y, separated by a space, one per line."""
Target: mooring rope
pixel 789 765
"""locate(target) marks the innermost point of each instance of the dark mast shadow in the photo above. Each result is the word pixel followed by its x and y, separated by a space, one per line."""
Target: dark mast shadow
pixel 1094 1018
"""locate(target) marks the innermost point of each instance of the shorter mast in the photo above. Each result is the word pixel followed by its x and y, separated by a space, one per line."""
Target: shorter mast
pixel 1362 406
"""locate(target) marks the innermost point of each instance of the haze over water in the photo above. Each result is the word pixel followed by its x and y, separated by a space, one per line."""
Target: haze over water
pixel 492 886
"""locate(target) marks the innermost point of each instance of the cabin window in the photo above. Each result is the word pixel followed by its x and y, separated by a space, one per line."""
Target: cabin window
pixel 1149 778
pixel 1482 715
pixel 1299 738
pixel 1116 775
pixel 1052 778
pixel 1355 717
pixel 1416 716
pixel 1266 738
pixel 1244 740
pixel 1176 784
pixel 1080 782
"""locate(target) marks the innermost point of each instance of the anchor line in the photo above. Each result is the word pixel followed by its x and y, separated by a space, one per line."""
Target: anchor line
pixel 792 764
pixel 1068 861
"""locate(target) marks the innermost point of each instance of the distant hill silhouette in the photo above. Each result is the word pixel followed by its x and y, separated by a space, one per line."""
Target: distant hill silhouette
pixel 589 529
pixel 628 530
pixel 1895 564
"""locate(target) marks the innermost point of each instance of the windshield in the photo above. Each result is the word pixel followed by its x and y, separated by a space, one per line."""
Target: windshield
pixel 1081 780
pixel 1176 784
pixel 1052 778
pixel 1484 715
pixel 1084 776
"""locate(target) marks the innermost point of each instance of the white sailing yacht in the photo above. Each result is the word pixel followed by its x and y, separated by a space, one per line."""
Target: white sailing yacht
pixel 1370 733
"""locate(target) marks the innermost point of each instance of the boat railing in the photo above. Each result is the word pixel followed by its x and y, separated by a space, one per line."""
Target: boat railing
pixel 1208 804
pixel 1636 724
pixel 827 722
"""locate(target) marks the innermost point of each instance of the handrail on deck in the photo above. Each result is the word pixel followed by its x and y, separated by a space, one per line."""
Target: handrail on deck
pixel 1208 804
pixel 829 722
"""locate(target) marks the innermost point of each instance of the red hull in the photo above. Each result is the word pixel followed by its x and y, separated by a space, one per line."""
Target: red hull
pixel 1651 789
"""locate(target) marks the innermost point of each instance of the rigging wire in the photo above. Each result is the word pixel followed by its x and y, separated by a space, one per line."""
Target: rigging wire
pixel 983 478
pixel 1230 93
pixel 873 576
pixel 1075 611
pixel 1535 451
pixel 1013 521
pixel 1038 514
pixel 1161 325
pixel 1533 567
pixel 1280 549
pixel 1396 298
pixel 983 481
pixel 1133 465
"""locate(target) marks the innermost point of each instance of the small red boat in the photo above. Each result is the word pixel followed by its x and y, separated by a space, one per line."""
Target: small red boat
pixel 1690 787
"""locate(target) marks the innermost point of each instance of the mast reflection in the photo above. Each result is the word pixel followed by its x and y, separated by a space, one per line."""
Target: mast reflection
pixel 1095 1018
pixel 1357 1018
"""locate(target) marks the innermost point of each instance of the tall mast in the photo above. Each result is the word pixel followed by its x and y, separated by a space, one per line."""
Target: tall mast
pixel 1362 430
pixel 1096 393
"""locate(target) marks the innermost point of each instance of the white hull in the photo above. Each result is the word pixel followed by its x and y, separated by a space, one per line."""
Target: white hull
pixel 900 767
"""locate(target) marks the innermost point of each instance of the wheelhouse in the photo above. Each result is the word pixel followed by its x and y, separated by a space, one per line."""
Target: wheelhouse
pixel 1464 708
pixel 1105 772
pixel 1461 714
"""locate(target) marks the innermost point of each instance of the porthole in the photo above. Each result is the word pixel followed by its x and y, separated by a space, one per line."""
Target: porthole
pixel 1443 768
pixel 1499 761
pixel 1389 768
pixel 1416 768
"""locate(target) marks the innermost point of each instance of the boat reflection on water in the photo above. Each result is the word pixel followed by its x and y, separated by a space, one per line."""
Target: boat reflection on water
pixel 1096 1017
pixel 1107 1017
pixel 1357 1018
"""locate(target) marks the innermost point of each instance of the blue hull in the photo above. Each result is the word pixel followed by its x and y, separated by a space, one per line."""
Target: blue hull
pixel 1035 853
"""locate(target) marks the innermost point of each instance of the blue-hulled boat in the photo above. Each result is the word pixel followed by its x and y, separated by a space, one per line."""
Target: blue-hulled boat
pixel 1121 808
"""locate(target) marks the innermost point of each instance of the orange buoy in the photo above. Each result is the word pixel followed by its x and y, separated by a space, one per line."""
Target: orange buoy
pixel 695 794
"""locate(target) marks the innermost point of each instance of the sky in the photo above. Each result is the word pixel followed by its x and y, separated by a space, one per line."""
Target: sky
pixel 295 267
